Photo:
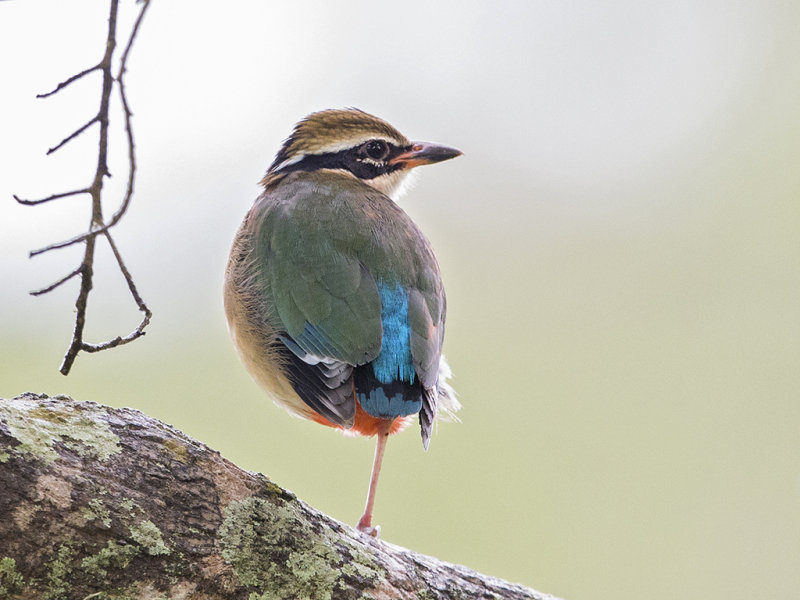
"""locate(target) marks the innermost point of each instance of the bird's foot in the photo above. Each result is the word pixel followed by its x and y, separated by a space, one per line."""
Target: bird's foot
pixel 372 531
pixel 365 526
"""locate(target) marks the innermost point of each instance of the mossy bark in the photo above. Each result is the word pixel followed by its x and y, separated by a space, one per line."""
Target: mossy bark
pixel 108 503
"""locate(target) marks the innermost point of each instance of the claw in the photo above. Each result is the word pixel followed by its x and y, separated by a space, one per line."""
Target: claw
pixel 374 531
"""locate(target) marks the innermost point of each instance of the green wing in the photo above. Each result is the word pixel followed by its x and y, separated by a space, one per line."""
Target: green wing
pixel 324 297
pixel 321 246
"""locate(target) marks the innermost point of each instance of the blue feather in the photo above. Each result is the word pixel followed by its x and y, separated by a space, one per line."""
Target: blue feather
pixel 391 393
pixel 394 362
pixel 377 403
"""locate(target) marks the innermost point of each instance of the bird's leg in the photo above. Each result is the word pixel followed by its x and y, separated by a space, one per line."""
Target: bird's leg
pixel 365 522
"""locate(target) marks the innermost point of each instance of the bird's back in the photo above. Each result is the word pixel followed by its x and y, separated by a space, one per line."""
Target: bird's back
pixel 340 291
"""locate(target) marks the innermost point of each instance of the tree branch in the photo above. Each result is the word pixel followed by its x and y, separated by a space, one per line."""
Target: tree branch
pixel 69 80
pixel 97 225
pixel 101 502
pixel 76 133
pixel 53 286
pixel 51 197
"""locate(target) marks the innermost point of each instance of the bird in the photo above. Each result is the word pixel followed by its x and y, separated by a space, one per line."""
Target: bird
pixel 333 295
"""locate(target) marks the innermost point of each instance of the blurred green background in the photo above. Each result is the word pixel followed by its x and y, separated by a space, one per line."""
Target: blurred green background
pixel 620 244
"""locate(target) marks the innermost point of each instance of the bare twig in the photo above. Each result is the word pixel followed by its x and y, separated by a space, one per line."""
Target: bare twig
pixel 134 31
pixel 129 134
pixel 49 198
pixel 53 286
pixel 69 80
pixel 75 240
pixel 97 224
pixel 129 280
pixel 74 134
pixel 139 331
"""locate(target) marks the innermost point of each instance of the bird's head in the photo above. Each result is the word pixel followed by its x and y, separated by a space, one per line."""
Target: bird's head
pixel 354 142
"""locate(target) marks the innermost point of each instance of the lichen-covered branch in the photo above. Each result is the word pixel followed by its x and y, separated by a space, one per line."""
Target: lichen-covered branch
pixel 97 224
pixel 98 502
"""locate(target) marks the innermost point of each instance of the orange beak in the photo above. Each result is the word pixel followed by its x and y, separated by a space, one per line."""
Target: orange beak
pixel 423 153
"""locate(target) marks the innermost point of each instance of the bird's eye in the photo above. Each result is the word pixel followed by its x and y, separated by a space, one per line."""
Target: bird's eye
pixel 376 149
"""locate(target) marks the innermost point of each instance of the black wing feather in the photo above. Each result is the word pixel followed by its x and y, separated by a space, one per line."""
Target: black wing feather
pixel 326 389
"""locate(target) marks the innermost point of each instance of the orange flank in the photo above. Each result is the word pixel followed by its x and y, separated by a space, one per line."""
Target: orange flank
pixel 365 424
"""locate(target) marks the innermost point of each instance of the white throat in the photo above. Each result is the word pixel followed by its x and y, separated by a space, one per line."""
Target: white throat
pixel 393 184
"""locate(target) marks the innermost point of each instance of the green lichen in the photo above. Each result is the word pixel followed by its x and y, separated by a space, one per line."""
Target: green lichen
pixel 359 564
pixel 38 428
pixel 359 570
pixel 11 580
pixel 178 450
pixel 148 536
pixel 58 573
pixel 112 555
pixel 4 456
pixel 264 596
pixel 97 511
pixel 128 505
pixel 312 568
pixel 279 554
pixel 273 489
pixel 455 592
pixel 248 539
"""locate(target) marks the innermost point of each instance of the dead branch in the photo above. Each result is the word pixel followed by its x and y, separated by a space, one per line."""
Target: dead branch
pixel 97 225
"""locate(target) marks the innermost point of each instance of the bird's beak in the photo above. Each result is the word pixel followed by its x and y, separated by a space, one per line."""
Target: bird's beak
pixel 423 153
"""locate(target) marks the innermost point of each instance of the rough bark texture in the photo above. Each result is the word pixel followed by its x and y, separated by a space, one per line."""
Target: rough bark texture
pixel 99 502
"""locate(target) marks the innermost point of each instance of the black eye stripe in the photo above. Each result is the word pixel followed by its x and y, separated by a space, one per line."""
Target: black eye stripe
pixel 356 160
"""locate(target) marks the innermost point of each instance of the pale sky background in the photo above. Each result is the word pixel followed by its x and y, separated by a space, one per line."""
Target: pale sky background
pixel 620 244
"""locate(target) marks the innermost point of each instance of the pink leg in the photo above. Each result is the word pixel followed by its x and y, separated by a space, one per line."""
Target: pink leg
pixel 365 523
